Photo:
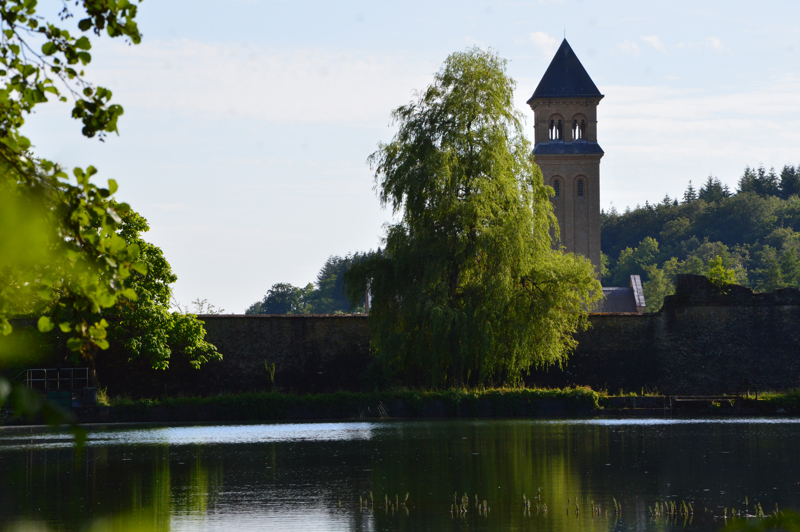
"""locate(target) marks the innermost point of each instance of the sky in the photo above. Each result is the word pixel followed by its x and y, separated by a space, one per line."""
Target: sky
pixel 248 123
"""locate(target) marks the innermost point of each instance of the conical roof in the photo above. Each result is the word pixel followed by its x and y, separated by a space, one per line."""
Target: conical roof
pixel 565 77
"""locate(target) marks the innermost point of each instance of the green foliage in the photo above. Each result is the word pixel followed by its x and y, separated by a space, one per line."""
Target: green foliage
pixel 41 60
pixel 61 256
pixel 270 374
pixel 760 182
pixel 718 274
pixel 633 261
pixel 787 402
pixel 277 406
pixel 753 232
pixel 690 195
pixel 790 181
pixel 713 190
pixel 468 288
pixel 283 298
pixel 660 284
pixel 64 255
pixel 327 296
pixel 144 326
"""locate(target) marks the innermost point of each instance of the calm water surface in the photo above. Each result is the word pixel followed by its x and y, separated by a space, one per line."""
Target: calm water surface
pixel 311 476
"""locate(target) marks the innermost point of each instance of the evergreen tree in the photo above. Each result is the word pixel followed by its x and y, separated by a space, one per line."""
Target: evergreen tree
pixel 790 181
pixel 769 182
pixel 329 295
pixel 747 183
pixel 713 190
pixel 760 182
pixel 690 195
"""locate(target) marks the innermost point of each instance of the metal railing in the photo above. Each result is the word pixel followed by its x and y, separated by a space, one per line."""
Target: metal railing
pixel 55 379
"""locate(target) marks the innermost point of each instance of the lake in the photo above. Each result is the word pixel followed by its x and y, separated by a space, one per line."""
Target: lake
pixel 340 476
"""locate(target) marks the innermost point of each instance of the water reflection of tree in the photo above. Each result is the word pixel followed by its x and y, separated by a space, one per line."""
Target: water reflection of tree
pixel 497 460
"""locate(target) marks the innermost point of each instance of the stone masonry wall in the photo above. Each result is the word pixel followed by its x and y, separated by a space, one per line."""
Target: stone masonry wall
pixel 702 342
pixel 311 354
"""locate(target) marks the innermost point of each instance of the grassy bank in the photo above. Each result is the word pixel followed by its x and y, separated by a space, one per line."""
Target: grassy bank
pixel 349 405
pixel 787 402
pixel 491 403
pixel 502 402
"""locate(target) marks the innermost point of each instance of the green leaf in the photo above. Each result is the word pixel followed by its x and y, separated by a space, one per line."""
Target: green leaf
pixel 45 324
pixel 5 327
pixel 49 48
pixel 65 327
pixel 74 344
pixel 112 186
pixel 139 267
pixel 130 293
pixel 106 300
pixel 85 24
pixel 83 43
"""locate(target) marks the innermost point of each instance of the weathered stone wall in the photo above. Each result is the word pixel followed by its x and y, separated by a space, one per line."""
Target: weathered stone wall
pixel 311 354
pixel 702 342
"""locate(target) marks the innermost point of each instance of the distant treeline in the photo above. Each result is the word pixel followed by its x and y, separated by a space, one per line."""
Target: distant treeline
pixel 755 231
pixel 324 296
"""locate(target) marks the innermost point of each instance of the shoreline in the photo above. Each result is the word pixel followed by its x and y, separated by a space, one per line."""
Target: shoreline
pixel 567 403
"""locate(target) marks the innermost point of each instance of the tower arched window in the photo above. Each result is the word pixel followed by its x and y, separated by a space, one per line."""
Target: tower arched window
pixel 580 188
pixel 579 128
pixel 557 188
pixel 556 128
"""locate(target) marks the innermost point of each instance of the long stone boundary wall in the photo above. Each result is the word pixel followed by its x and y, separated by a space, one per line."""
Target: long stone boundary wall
pixel 702 342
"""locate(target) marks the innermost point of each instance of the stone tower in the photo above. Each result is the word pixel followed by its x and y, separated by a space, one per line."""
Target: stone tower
pixel 566 149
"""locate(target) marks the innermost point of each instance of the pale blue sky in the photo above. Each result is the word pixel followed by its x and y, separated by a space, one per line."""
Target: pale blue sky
pixel 248 123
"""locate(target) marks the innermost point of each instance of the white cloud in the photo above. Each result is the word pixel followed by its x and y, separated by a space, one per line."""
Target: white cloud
pixel 713 43
pixel 279 86
pixel 716 44
pixel 655 42
pixel 630 48
pixel 544 42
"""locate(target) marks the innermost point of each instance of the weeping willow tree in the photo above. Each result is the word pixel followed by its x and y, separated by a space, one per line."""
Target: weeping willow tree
pixel 469 289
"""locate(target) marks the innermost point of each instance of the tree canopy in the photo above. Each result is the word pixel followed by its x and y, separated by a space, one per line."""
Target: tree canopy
pixel 64 254
pixel 147 327
pixel 469 288
pixel 325 296
pixel 751 236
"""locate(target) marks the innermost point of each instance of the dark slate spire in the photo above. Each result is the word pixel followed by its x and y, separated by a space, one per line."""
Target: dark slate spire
pixel 565 77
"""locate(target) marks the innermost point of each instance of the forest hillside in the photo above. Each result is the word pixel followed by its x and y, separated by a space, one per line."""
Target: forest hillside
pixel 754 231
